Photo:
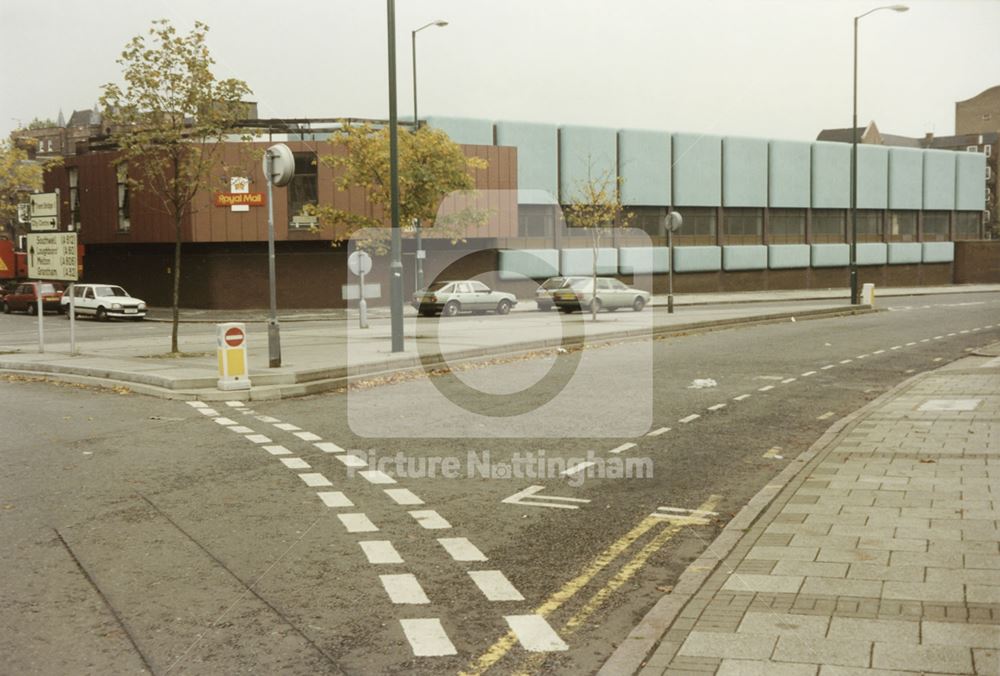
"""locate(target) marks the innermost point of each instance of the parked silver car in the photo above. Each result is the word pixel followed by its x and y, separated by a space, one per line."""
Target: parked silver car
pixel 611 295
pixel 544 293
pixel 450 298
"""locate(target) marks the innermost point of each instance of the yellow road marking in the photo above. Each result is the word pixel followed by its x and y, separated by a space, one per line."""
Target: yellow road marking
pixel 498 650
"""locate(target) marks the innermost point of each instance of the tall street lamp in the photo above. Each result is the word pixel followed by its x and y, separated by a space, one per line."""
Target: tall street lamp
pixel 395 263
pixel 854 155
pixel 416 125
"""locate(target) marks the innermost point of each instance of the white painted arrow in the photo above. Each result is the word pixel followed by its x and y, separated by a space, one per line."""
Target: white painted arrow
pixel 531 492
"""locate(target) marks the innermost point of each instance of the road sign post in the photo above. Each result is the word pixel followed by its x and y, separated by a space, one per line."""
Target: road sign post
pixel 279 169
pixel 360 263
pixel 673 224
pixel 53 256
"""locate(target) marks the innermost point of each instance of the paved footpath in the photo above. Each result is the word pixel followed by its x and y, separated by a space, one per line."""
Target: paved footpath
pixel 876 552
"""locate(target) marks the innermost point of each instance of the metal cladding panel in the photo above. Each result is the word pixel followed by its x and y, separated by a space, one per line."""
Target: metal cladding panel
pixel 744 172
pixel 906 178
pixel 873 177
pixel 537 159
pixel 697 259
pixel 939 180
pixel 581 261
pixel 643 260
pixel 586 155
pixel 970 177
pixel 644 165
pixel 830 255
pixel 872 253
pixel 831 175
pixel 939 252
pixel 697 173
pixel 465 130
pixel 901 253
pixel 787 256
pixel 747 257
pixel 531 263
pixel 789 168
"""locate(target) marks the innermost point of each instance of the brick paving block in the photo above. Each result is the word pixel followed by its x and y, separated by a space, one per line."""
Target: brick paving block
pixel 893 544
pixel 978 576
pixel 884 631
pixel 934 658
pixel 924 591
pixel 898 522
pixel 981 593
pixel 783 624
pixel 783 553
pixel 986 661
pixel 789 518
pixel 840 541
pixel 982 561
pixel 835 586
pixel 959 634
pixel 937 534
pixel 799 528
pixel 863 531
pixel 943 559
pixel 815 568
pixel 763 583
pixel 713 644
pixel 964 547
pixel 693 665
pixel 870 571
pixel 852 555
pixel 841 652
pixel 831 670
pixel 773 540
pixel 763 668
pixel 651 670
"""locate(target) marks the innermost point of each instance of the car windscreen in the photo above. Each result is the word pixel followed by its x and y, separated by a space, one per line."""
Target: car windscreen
pixel 48 288
pixel 581 283
pixel 553 283
pixel 437 286
pixel 110 291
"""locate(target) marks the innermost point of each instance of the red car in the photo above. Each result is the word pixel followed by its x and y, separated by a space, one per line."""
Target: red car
pixel 25 298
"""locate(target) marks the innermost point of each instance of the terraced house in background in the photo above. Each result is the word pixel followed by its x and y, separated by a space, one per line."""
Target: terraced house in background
pixel 758 214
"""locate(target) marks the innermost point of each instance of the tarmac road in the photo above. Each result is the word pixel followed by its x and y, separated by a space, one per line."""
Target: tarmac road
pixel 141 532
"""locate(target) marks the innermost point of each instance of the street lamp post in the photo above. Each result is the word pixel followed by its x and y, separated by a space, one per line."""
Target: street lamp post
pixel 395 263
pixel 854 155
pixel 416 125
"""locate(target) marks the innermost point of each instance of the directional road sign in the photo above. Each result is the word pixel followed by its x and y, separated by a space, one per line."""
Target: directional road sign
pixel 52 256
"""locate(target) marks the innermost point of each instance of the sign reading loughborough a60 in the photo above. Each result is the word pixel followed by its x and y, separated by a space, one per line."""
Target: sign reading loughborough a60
pixel 52 256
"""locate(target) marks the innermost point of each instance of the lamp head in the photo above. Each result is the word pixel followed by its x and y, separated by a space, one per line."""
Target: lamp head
pixel 899 8
pixel 442 23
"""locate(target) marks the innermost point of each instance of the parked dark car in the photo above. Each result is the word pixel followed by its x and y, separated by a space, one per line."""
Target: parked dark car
pixel 24 298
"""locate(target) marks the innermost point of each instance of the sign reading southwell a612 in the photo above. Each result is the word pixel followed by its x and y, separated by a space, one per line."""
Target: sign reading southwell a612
pixel 52 256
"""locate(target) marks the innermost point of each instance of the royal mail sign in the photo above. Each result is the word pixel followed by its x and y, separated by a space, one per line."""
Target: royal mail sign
pixel 230 199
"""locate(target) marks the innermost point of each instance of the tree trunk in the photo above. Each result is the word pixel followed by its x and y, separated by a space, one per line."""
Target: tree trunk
pixel 593 299
pixel 174 349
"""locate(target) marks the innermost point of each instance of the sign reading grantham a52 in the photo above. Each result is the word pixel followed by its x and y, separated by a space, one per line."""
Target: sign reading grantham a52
pixel 52 256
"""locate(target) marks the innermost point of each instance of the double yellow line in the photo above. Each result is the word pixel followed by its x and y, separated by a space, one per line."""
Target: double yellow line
pixel 498 650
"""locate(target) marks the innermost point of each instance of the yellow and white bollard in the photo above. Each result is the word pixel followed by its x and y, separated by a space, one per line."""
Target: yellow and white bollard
pixel 231 340
pixel 868 294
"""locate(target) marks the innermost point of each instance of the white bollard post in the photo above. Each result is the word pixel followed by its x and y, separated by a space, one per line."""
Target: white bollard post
pixel 231 339
pixel 868 294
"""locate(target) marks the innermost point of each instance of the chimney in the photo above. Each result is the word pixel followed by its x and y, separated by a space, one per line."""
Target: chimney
pixel 928 139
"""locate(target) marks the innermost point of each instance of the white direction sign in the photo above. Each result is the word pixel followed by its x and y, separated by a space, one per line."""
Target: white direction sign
pixel 530 497
pixel 44 211
pixel 52 256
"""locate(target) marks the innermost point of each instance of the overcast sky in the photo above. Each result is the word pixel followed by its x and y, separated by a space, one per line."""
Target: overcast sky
pixel 779 69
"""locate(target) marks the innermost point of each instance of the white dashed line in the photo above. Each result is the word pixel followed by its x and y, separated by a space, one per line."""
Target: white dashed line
pixel 788 380
pixel 862 356
pixel 277 450
pixel 197 404
pixel 925 340
pixel 225 421
pixel 719 407
pixel 808 373
pixel 352 461
pixel 258 438
pixel 964 331
pixel 240 429
pixel 307 436
pixel 687 419
pixel 403 496
pixel 828 414
pixel 430 519
pixel 896 347
pixel 374 476
pixel 328 447
pixel 658 431
pixel 952 334
pixel 741 397
pixel 938 337
pixel 765 388
pixel 208 411
pixel 622 448
pixel 380 552
pixel 267 419
pixel 828 366
pixel 357 522
pixel 773 453
pixel 976 329
pixel 403 588
pixel 911 344
pixel 878 352
pixel 427 638
pixel 576 468
pixel 287 427
pixel 315 480
pixel 235 404
pixel 938 359
pixel 534 633
pixel 295 463
pixel 335 499
pixel 461 549
pixel 910 371
pixel 495 585
pixel 846 361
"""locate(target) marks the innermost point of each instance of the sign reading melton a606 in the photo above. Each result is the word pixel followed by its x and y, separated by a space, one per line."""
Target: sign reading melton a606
pixel 52 256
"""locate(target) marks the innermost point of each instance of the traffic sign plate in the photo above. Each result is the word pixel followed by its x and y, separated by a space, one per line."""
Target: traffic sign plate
pixel 52 256
pixel 234 337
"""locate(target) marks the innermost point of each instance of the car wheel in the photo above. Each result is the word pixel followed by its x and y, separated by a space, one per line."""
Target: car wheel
pixel 101 314
pixel 32 309
pixel 638 304
pixel 595 305
pixel 503 307
pixel 451 308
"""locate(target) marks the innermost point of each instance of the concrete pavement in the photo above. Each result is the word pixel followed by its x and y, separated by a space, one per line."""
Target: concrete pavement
pixel 875 552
